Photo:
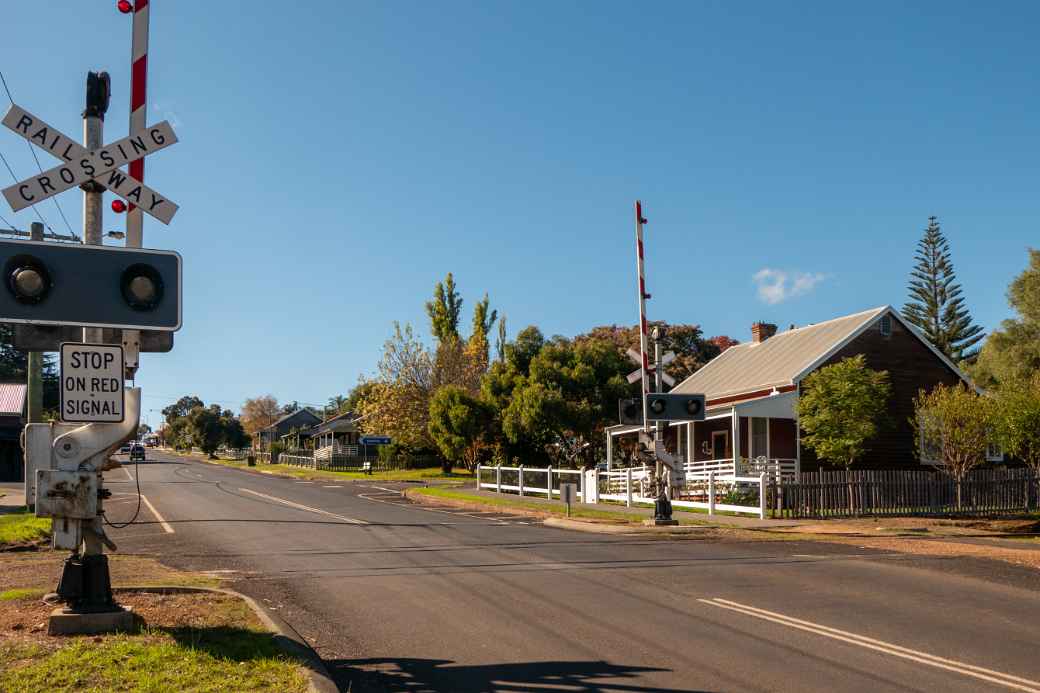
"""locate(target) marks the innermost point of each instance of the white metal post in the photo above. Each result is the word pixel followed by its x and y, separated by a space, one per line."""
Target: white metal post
pixel 640 271
pixel 581 487
pixel 711 493
pixel 628 487
pixel 520 478
pixel 762 495
pixel 548 482
pixel 498 479
pixel 478 477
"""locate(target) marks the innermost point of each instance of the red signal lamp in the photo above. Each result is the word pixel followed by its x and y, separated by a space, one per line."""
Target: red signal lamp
pixel 125 6
pixel 118 206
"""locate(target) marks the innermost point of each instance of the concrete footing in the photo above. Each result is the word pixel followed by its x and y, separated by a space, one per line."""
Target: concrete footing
pixel 654 522
pixel 62 622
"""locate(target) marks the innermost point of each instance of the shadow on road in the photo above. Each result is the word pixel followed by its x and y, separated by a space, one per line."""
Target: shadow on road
pixel 443 675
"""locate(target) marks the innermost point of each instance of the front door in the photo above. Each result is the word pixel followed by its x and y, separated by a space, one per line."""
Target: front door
pixel 719 445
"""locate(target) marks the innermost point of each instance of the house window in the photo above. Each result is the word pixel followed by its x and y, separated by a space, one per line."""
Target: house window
pixel 885 325
pixel 759 437
pixel 994 453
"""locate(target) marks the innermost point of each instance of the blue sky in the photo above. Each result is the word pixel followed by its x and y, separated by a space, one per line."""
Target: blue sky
pixel 337 158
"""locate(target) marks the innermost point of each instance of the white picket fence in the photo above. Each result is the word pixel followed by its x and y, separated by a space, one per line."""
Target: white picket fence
pixel 629 486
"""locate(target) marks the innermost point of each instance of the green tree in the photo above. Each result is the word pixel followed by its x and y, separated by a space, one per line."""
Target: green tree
pixel 501 341
pixel 444 310
pixel 840 408
pixel 1017 419
pixel 181 408
pixel 954 424
pixel 483 319
pixel 571 390
pixel 14 367
pixel 459 425
pixel 936 305
pixel 205 429
pixel 691 349
pixel 233 433
pixel 1012 353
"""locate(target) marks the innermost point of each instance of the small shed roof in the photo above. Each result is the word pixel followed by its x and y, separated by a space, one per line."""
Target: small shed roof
pixel 12 399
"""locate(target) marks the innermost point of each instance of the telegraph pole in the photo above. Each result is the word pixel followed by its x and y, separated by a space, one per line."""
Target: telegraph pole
pixel 98 92
pixel 35 365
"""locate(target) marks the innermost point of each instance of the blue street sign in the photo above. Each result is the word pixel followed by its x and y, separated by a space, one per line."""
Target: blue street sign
pixel 375 440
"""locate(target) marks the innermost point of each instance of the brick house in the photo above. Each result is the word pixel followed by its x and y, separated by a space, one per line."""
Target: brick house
pixel 752 388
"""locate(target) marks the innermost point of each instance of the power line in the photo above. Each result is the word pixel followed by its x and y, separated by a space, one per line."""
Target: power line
pixel 38 165
pixel 9 170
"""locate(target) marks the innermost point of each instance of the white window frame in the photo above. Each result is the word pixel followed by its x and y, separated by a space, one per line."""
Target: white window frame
pixel 885 325
pixel 994 453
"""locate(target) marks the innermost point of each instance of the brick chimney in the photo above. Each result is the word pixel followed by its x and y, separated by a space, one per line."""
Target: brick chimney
pixel 761 331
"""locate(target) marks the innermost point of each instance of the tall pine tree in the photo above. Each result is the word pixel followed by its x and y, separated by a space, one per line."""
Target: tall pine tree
pixel 444 311
pixel 936 305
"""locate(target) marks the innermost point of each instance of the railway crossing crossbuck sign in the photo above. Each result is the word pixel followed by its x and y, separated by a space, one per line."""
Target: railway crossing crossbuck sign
pixel 80 165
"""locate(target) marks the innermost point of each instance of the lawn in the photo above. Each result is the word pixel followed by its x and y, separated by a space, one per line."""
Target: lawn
pixel 197 642
pixel 193 641
pixel 22 528
pixel 515 502
pixel 424 474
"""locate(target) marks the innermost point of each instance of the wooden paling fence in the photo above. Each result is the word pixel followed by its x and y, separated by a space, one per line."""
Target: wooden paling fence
pixel 905 492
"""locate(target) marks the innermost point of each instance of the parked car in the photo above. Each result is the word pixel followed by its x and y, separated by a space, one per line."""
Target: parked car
pixel 136 452
pixel 124 449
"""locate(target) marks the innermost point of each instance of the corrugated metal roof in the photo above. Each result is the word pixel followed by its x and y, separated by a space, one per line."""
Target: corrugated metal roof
pixel 776 361
pixel 12 399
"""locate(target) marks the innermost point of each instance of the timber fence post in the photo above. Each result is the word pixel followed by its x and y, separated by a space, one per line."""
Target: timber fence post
pixel 628 487
pixel 711 493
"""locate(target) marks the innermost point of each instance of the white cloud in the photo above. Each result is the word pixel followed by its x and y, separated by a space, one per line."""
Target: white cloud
pixel 775 286
pixel 167 113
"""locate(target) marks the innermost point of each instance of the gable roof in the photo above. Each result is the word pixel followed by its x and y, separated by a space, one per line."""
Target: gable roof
pixel 289 416
pixel 787 357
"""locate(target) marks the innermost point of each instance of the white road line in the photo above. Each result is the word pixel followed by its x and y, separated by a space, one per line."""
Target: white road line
pixel 165 525
pixel 332 486
pixel 127 470
pixel 351 520
pixel 888 648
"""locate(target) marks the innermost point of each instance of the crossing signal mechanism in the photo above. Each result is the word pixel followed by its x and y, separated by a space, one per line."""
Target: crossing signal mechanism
pixel 90 286
pixel 674 407
pixel 630 412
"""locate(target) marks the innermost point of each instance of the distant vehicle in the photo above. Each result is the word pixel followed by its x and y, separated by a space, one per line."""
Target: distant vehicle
pixel 124 449
pixel 136 452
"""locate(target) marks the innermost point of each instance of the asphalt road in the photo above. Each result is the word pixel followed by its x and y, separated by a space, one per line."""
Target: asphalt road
pixel 394 596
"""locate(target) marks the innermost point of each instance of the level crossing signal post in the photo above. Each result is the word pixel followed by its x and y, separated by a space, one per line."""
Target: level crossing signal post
pixel 653 404
pixel 93 294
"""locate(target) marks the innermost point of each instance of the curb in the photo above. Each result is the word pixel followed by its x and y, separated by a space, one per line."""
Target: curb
pixel 284 635
pixel 604 528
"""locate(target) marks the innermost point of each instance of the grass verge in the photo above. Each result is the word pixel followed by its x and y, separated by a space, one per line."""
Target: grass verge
pixel 423 474
pixel 198 642
pixel 532 506
pixel 21 528
pixel 189 641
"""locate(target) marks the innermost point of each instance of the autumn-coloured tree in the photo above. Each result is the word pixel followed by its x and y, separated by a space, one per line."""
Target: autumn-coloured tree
pixel 691 349
pixel 259 413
